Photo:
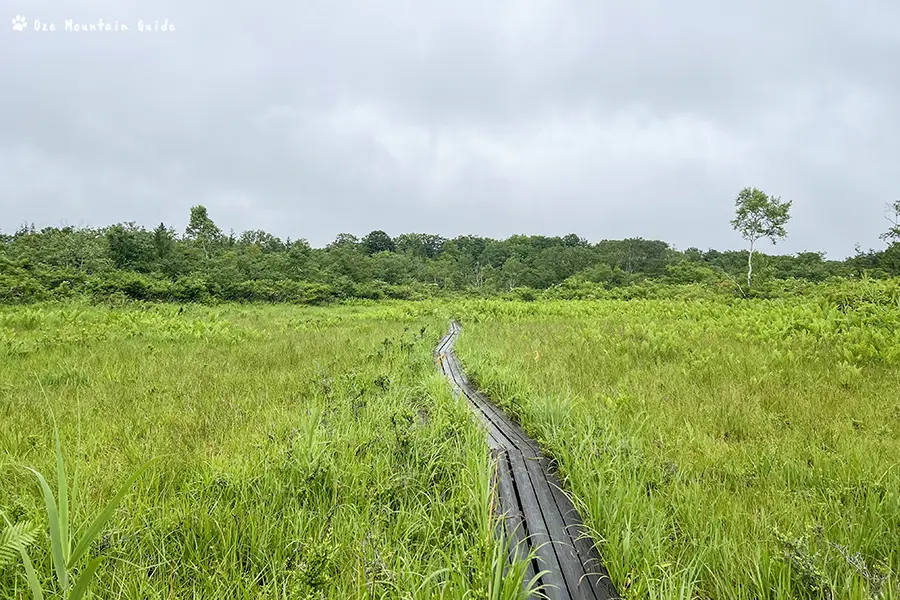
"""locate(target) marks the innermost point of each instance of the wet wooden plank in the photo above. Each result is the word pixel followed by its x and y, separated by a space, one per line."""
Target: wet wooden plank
pixel 515 435
pixel 596 573
pixel 511 513
pixel 573 571
pixel 496 439
pixel 497 434
pixel 554 585
pixel 512 429
pixel 521 439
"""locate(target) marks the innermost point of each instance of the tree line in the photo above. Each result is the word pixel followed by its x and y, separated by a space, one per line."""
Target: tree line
pixel 203 262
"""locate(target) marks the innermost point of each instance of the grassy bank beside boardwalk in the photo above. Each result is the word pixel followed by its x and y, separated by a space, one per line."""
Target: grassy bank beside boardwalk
pixel 305 453
pixel 721 450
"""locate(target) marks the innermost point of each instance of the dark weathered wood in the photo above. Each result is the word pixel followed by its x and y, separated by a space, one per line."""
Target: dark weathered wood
pixel 496 437
pixel 573 570
pixel 515 435
pixel 538 532
pixel 596 573
pixel 511 513
pixel 523 442
pixel 497 429
pixel 497 434
pixel 536 513
pixel 448 369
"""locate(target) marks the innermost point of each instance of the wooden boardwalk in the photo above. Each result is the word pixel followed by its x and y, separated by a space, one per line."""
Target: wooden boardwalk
pixel 537 514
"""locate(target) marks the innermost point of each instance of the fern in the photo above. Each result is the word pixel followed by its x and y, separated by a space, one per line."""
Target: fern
pixel 14 540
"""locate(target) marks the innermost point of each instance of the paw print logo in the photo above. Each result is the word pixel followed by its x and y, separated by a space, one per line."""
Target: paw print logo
pixel 19 23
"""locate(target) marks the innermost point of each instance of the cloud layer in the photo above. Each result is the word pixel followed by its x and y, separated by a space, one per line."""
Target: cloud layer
pixel 312 118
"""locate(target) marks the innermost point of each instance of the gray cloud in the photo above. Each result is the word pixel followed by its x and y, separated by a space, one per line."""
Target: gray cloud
pixel 312 118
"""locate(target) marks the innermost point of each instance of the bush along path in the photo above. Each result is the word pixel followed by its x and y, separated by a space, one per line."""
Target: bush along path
pixel 537 515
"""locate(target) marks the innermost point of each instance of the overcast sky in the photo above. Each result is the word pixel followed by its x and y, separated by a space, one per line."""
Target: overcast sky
pixel 311 118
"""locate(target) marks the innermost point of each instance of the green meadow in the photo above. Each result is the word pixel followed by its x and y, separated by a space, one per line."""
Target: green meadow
pixel 302 453
pixel 718 448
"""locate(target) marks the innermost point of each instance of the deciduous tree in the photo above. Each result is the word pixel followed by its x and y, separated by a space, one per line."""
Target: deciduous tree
pixel 378 241
pixel 892 235
pixel 201 229
pixel 758 216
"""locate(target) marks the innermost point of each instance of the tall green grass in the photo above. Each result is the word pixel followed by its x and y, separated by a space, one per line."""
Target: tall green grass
pixel 67 547
pixel 308 453
pixel 719 450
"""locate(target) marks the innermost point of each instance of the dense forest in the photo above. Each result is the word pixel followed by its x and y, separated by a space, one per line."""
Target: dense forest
pixel 203 263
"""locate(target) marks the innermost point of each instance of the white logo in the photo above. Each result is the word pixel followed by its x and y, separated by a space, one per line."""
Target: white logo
pixel 19 23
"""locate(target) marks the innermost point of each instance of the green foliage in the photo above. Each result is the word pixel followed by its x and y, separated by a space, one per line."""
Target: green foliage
pixel 524 293
pixel 131 247
pixel 14 540
pixel 66 549
pixel 691 272
pixel 604 274
pixel 346 241
pixel 20 289
pixel 201 227
pixel 266 242
pixel 202 232
pixel 295 292
pixel 757 216
pixel 719 447
pixel 126 261
pixel 892 235
pixel 636 255
pixel 420 245
pixel 311 453
pixel 378 241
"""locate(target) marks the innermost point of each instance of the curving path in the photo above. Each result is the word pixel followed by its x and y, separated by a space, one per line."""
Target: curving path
pixel 537 512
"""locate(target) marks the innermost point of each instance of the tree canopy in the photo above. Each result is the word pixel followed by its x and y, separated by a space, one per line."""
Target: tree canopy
pixel 160 263
pixel 757 216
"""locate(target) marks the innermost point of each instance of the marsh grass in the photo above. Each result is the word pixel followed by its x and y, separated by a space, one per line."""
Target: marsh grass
pixel 67 544
pixel 310 453
pixel 719 450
